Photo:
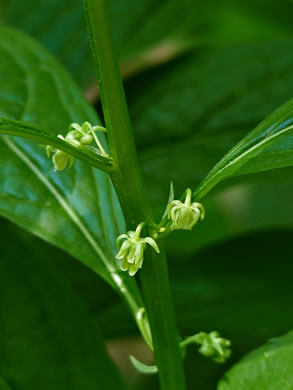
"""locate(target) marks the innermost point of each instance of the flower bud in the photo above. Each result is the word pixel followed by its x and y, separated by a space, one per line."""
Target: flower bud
pixel 211 345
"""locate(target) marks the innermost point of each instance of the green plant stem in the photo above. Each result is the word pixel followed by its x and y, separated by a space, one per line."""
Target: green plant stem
pixel 129 185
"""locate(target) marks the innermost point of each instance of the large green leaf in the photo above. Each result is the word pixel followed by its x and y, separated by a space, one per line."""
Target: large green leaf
pixel 47 337
pixel 269 367
pixel 269 146
pixel 76 210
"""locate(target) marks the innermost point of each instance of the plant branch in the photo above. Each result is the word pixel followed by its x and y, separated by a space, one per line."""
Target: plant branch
pixel 127 179
pixel 20 129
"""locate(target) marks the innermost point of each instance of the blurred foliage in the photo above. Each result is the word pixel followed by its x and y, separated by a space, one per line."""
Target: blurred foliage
pixel 48 339
pixel 137 26
pixel 142 25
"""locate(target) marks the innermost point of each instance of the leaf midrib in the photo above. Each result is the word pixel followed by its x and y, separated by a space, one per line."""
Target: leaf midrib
pixel 63 203
pixel 235 160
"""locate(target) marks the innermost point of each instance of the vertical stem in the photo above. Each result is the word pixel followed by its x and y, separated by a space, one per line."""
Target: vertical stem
pixel 129 185
pixel 121 141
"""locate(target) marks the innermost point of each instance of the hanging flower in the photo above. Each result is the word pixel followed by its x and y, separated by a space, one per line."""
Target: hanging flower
pixel 185 215
pixel 132 249
pixel 76 136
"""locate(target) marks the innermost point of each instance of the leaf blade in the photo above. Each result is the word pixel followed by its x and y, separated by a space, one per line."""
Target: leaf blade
pixel 267 367
pixel 37 90
pixel 277 126
pixel 48 339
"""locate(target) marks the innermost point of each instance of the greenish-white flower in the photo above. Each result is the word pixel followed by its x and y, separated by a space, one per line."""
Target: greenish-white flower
pixel 212 345
pixel 132 249
pixel 61 160
pixel 77 136
pixel 185 215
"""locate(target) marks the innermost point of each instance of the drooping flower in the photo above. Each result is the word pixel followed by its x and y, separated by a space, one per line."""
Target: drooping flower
pixel 77 136
pixel 132 249
pixel 185 215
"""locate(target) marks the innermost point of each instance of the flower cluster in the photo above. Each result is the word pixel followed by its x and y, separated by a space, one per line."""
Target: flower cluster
pixel 132 249
pixel 77 135
pixel 185 215
pixel 212 346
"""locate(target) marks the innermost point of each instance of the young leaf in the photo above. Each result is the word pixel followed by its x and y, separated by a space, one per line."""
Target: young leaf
pixel 143 368
pixel 48 339
pixel 269 146
pixel 268 367
pixel 76 210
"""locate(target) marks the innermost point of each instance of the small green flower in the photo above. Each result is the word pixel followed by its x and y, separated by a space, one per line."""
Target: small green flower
pixel 185 215
pixel 77 135
pixel 131 250
pixel 61 160
pixel 212 345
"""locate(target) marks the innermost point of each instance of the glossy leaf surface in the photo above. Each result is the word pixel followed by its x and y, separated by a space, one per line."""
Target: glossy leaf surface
pixel 269 146
pixel 48 339
pixel 269 367
pixel 76 210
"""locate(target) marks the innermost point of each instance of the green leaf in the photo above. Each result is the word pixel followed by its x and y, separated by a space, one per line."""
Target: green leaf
pixel 48 339
pixel 268 367
pixel 76 210
pixel 269 146
pixel 143 368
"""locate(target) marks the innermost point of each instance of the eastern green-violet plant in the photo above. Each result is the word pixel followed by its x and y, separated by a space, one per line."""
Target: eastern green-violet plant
pixel 140 249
